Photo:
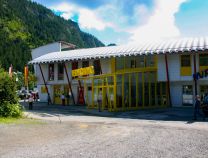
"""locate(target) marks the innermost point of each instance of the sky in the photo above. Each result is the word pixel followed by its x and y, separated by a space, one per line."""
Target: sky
pixel 134 21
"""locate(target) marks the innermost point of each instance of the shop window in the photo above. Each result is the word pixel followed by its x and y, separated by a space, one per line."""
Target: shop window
pixel 130 62
pixel 85 64
pixel 51 72
pixel 140 61
pixel 187 95
pixel 203 60
pixel 150 61
pixel 97 67
pixel 186 65
pixel 60 71
pixel 119 63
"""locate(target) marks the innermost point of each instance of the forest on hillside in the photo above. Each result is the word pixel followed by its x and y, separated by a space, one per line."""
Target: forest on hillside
pixel 25 25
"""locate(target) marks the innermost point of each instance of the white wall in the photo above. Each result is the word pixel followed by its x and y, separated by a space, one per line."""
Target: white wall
pixel 52 47
pixel 173 67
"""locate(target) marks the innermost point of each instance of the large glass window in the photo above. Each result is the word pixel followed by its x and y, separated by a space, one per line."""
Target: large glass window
pixel 203 59
pixel 60 71
pixel 126 90
pixel 130 62
pixel 150 61
pixel 97 67
pixel 187 95
pixel 140 61
pixel 119 91
pixel 51 72
pixel 185 61
pixel 119 63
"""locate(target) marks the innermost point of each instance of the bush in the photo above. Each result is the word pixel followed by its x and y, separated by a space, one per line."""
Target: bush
pixel 10 110
pixel 9 105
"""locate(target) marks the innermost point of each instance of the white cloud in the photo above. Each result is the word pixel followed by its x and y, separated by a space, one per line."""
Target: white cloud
pixel 67 9
pixel 159 25
pixel 87 19
pixel 143 24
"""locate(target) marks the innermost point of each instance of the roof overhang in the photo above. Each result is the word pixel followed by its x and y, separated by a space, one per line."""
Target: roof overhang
pixel 184 45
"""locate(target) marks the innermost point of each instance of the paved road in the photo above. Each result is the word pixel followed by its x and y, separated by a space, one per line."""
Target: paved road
pixel 80 135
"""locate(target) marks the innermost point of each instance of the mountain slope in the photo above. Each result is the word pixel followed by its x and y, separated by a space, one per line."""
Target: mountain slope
pixel 25 25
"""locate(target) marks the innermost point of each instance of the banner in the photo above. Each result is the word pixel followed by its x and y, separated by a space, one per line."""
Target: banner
pixel 10 71
pixel 26 75
pixel 83 71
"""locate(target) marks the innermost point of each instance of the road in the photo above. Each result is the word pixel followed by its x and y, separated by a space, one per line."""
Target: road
pixel 104 137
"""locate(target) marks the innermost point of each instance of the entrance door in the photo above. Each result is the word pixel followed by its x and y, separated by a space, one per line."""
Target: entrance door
pixel 100 93
pixel 57 94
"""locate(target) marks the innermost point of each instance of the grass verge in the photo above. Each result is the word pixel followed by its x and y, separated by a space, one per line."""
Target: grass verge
pixel 25 120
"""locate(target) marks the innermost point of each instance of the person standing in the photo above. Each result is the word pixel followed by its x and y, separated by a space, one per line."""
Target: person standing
pixel 49 99
pixel 63 99
pixel 197 107
pixel 30 100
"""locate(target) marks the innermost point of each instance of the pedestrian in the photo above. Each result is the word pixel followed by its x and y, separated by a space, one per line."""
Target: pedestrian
pixel 63 99
pixel 68 97
pixel 205 101
pixel 30 100
pixel 49 99
pixel 197 107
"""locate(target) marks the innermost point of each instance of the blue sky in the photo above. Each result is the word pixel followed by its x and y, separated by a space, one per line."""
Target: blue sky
pixel 133 21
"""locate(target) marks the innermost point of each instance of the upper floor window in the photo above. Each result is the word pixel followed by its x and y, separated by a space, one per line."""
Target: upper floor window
pixel 97 67
pixel 60 71
pixel 130 62
pixel 140 61
pixel 51 72
pixel 150 61
pixel 119 63
pixel 85 64
pixel 185 61
pixel 203 60
pixel 74 65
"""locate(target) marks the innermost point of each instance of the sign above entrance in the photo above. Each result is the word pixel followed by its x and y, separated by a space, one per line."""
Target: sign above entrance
pixel 201 74
pixel 83 71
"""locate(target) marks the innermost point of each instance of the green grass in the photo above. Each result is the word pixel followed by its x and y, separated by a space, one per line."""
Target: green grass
pixel 4 120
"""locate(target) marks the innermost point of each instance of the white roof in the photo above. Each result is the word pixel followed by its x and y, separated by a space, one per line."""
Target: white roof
pixel 167 46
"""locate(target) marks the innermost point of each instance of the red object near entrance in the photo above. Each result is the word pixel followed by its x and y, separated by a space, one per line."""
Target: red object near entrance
pixel 81 96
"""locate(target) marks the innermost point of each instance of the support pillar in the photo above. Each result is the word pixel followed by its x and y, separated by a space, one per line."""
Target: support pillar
pixel 69 83
pixel 168 79
pixel 44 81
pixel 195 79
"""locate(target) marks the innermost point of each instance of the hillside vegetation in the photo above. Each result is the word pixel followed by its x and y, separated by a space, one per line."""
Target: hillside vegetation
pixel 25 25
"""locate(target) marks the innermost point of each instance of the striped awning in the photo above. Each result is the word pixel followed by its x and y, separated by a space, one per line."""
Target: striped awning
pixel 167 46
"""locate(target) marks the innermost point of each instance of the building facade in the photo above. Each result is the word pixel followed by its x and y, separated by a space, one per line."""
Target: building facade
pixel 151 75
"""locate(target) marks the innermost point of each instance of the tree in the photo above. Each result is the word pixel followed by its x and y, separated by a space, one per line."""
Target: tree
pixel 9 105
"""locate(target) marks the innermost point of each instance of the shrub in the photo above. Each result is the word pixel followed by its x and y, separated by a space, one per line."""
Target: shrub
pixel 9 105
pixel 10 110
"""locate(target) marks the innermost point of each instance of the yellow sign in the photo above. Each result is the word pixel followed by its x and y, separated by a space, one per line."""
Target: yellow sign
pixel 83 71
pixel 43 89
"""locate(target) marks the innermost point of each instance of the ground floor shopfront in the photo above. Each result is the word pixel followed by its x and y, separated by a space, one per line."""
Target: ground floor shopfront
pixel 119 91
pixel 128 91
